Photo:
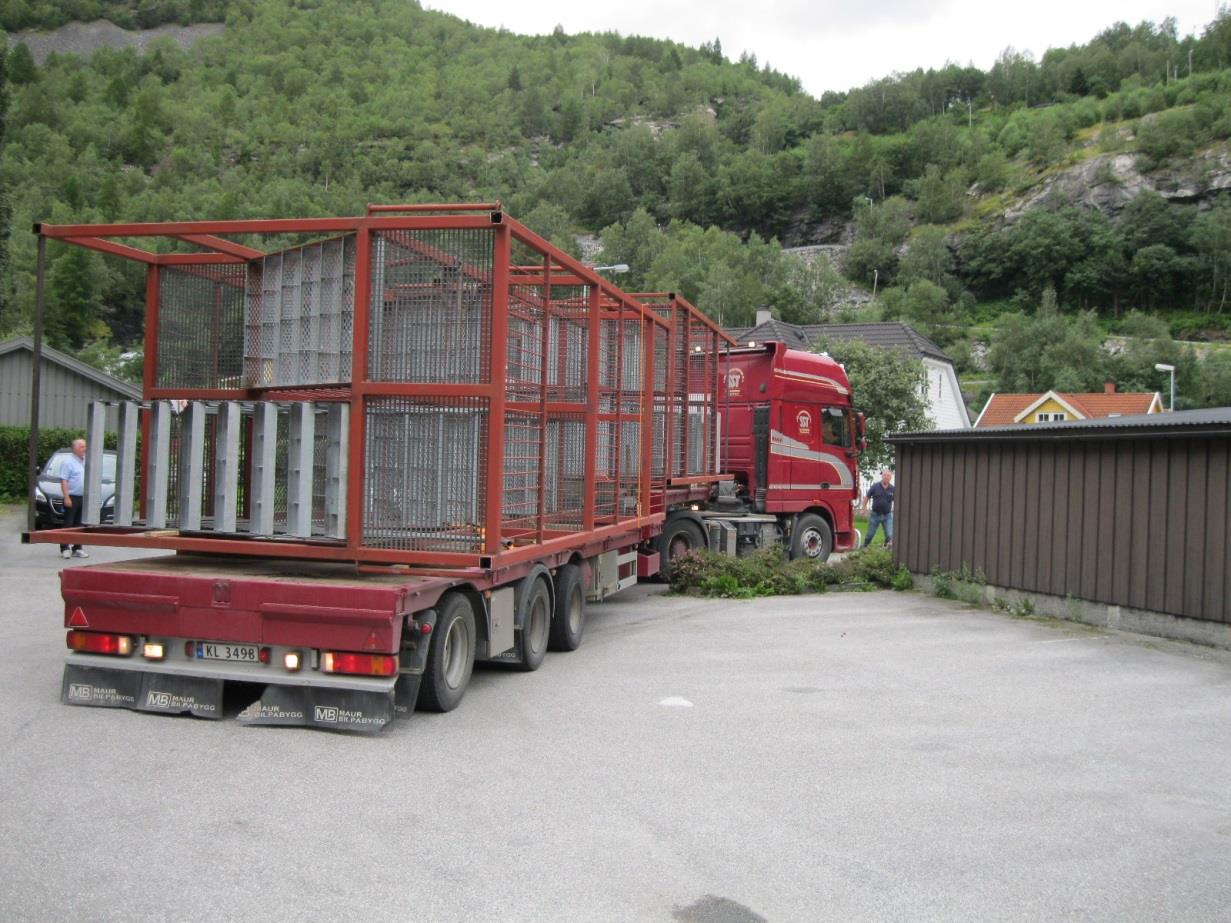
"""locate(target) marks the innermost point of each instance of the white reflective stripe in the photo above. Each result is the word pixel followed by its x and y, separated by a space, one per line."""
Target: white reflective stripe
pixel 805 487
pixel 790 448
pixel 804 376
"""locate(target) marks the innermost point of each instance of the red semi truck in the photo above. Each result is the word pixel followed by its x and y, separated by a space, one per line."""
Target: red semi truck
pixel 406 441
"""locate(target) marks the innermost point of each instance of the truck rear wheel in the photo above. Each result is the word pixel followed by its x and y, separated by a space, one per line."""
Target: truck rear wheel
pixel 678 536
pixel 811 538
pixel 450 659
pixel 535 626
pixel 570 617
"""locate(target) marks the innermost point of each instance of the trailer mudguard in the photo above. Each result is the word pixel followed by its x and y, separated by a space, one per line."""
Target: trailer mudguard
pixel 165 693
pixel 313 706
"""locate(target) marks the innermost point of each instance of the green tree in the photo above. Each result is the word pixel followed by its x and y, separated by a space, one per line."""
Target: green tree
pixel 940 197
pixel 74 301
pixel 888 387
pixel 1047 351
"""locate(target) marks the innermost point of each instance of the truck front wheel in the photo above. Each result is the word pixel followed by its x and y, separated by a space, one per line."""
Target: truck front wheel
pixel 811 538
pixel 678 536
pixel 450 659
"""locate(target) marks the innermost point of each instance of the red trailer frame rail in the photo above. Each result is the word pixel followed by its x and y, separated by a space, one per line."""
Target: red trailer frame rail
pixel 433 386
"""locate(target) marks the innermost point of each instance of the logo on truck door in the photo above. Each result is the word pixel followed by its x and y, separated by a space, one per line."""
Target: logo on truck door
pixel 735 380
pixel 804 419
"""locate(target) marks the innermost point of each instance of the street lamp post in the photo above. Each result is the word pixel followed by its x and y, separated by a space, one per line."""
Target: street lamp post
pixel 615 268
pixel 1163 367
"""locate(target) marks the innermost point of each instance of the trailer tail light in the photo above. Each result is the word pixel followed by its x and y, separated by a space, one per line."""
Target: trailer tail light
pixel 96 642
pixel 152 650
pixel 359 664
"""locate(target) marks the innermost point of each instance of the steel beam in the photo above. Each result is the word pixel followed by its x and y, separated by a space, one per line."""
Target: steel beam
pixel 299 469
pixel 192 464
pixel 336 469
pixel 226 466
pixel 95 428
pixel 126 463
pixel 264 462
pixel 158 465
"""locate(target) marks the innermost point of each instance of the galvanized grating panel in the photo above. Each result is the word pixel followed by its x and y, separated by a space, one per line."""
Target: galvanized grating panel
pixel 425 480
pixel 431 306
pixel 200 327
pixel 300 316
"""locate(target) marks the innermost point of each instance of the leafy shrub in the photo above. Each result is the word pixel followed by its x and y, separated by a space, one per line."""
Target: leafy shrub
pixel 767 572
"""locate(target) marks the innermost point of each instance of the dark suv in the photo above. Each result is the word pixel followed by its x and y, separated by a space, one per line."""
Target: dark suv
pixel 49 500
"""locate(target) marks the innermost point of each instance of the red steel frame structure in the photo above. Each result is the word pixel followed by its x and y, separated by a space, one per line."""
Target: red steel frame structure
pixel 667 330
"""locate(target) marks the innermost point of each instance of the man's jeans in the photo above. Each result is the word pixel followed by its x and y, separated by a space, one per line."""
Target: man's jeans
pixel 875 521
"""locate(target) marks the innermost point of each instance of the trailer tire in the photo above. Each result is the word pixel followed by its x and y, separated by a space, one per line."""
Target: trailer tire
pixel 678 536
pixel 450 659
pixel 569 622
pixel 811 538
pixel 535 618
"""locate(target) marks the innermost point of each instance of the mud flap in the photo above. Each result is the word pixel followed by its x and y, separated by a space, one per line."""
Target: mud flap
pixel 332 709
pixel 156 692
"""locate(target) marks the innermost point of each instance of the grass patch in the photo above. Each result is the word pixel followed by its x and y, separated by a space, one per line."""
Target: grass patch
pixel 767 572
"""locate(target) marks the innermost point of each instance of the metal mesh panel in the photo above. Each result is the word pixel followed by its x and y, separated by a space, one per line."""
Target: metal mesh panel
pixel 431 306
pixel 425 474
pixel 200 327
pixel 522 473
pixel 300 316
pixel 525 348
pixel 564 472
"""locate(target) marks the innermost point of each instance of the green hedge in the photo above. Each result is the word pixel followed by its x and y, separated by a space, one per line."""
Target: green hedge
pixel 15 453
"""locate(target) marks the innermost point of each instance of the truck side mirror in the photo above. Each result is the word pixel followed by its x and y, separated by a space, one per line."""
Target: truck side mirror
pixel 859 428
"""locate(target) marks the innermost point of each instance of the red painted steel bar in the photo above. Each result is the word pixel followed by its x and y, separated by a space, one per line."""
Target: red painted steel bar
pixel 465 207
pixel 497 374
pixel 360 332
pixel 593 346
pixel 222 246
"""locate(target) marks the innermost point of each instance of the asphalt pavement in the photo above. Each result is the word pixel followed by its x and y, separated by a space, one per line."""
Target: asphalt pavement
pixel 864 756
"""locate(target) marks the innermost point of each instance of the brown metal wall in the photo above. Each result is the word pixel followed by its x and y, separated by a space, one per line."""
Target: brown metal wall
pixel 1125 521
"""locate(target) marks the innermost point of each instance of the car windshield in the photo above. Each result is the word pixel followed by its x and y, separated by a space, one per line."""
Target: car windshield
pixel 52 468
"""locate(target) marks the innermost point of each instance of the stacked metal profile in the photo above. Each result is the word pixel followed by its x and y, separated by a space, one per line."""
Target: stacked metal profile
pixel 421 388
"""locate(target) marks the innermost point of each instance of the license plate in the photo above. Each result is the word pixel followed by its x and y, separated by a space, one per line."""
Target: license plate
pixel 209 650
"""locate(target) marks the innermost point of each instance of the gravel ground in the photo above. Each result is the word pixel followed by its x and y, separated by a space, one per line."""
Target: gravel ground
pixel 873 756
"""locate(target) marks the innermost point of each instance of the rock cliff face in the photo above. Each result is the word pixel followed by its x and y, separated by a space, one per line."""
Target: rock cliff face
pixel 85 38
pixel 1108 182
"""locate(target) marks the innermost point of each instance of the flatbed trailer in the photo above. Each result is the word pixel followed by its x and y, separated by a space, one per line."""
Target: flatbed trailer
pixel 396 444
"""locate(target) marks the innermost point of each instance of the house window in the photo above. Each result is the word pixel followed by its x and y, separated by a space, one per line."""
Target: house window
pixel 1050 417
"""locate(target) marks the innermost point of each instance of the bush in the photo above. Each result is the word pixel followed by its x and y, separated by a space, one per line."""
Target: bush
pixel 767 572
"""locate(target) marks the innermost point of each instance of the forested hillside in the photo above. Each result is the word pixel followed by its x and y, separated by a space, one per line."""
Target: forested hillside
pixel 1042 203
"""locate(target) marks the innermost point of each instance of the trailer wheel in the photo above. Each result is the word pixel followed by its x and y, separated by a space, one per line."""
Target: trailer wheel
pixel 450 659
pixel 678 536
pixel 536 626
pixel 811 538
pixel 570 618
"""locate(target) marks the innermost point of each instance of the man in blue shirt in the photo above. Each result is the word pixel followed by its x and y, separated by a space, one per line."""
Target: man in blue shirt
pixel 880 496
pixel 72 489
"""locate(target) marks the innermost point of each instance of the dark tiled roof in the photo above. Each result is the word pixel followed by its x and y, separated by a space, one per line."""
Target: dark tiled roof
pixel 132 392
pixel 1179 423
pixel 887 335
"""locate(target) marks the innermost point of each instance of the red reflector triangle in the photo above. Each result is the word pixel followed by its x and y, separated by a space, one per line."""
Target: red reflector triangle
pixel 371 643
pixel 78 619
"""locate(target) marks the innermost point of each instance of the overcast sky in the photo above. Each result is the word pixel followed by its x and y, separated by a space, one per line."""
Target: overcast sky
pixel 836 45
